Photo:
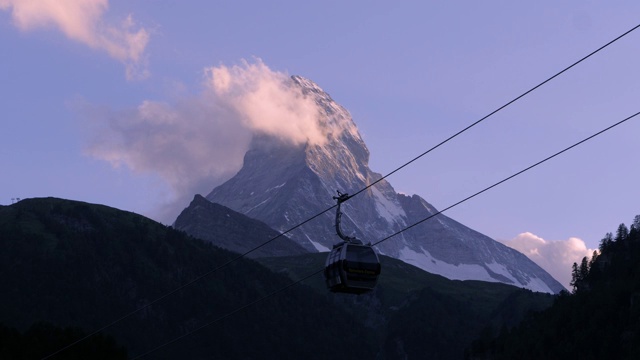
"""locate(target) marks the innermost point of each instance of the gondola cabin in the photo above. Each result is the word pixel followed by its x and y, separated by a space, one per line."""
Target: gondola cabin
pixel 352 268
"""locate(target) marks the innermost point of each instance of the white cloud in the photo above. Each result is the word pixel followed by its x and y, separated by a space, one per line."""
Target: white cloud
pixel 82 21
pixel 556 257
pixel 196 143
pixel 265 101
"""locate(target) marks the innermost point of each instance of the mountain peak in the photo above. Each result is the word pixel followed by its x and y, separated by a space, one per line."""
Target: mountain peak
pixel 285 185
pixel 308 85
pixel 334 119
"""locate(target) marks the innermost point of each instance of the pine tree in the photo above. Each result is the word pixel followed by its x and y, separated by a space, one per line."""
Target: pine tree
pixel 575 277
pixel 593 259
pixel 635 228
pixel 622 233
pixel 606 241
pixel 636 223
pixel 584 269
pixel 579 274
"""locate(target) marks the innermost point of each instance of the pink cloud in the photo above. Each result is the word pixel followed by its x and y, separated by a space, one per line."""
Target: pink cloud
pixel 265 101
pixel 556 257
pixel 82 21
pixel 197 142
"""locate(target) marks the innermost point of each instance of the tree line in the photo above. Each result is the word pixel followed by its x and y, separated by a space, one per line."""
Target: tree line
pixel 599 318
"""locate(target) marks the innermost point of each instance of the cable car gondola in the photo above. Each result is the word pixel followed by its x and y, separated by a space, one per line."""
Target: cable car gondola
pixel 351 267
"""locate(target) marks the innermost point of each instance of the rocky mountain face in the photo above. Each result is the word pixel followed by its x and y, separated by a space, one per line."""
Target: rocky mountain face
pixel 283 185
pixel 229 229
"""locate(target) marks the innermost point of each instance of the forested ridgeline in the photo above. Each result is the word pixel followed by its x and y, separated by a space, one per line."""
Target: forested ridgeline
pixel 599 319
pixel 68 265
pixel 79 265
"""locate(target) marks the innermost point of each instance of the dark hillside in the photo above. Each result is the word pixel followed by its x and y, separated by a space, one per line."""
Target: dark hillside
pixel 600 319
pixel 75 264
pixel 42 339
pixel 416 313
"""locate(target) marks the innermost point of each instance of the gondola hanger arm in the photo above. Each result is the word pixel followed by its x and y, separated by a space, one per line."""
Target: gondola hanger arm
pixel 341 198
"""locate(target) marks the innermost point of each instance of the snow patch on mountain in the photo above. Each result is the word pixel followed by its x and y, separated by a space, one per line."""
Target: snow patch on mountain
pixel 293 183
pixel 390 211
pixel 275 187
pixel 537 284
pixel 317 245
pixel 501 270
pixel 425 261
pixel 254 207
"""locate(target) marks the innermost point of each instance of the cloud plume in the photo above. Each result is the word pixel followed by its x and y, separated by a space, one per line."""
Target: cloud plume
pixel 196 143
pixel 264 100
pixel 556 257
pixel 83 21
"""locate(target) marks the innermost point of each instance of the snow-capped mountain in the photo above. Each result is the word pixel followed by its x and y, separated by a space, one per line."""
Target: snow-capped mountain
pixel 283 184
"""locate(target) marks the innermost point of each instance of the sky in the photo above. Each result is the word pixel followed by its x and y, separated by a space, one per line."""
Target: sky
pixel 141 104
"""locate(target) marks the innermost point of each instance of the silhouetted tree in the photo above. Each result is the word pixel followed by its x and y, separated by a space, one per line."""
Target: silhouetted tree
pixel 622 233
pixel 636 223
pixel 594 256
pixel 597 321
pixel 584 271
pixel 606 241
pixel 635 228
pixel 575 277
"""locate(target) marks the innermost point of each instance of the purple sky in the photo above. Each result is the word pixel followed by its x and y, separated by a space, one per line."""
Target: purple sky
pixel 411 74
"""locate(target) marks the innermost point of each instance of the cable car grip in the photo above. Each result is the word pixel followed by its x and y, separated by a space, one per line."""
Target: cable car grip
pixel 342 198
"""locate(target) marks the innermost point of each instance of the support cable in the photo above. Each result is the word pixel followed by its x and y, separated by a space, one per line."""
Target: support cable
pixel 200 277
pixel 181 287
pixel 384 239
pixel 498 109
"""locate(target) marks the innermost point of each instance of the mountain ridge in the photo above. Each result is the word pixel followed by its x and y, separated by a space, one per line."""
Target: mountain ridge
pixel 284 184
pixel 229 229
pixel 71 263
